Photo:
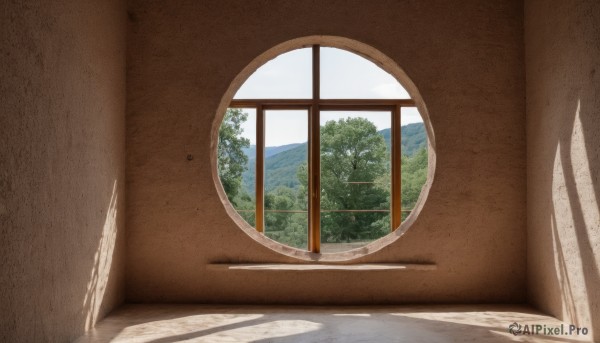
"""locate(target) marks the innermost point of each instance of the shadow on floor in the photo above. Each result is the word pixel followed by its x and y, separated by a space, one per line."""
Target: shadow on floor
pixel 176 323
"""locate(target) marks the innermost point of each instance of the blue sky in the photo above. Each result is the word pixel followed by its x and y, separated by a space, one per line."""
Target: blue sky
pixel 343 75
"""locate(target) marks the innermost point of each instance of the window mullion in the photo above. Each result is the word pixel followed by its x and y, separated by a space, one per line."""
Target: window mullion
pixel 396 179
pixel 260 169
pixel 314 162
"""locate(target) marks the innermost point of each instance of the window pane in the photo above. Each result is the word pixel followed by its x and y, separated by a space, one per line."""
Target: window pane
pixel 414 158
pixel 345 75
pixel 287 228
pixel 287 76
pixel 355 179
pixel 286 177
pixel 236 159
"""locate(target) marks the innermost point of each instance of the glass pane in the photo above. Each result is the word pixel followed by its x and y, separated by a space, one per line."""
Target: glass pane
pixel 414 158
pixel 355 178
pixel 236 156
pixel 288 76
pixel 286 177
pixel 287 228
pixel 345 75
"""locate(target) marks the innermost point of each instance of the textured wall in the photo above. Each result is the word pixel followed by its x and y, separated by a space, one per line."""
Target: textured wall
pixel 62 158
pixel 563 140
pixel 467 62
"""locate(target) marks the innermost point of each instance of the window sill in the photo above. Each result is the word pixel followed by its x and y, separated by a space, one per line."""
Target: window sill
pixel 280 267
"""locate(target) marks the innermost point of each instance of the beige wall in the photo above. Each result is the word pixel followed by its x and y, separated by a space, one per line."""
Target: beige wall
pixel 62 159
pixel 467 62
pixel 562 41
pixel 62 184
pixel 62 129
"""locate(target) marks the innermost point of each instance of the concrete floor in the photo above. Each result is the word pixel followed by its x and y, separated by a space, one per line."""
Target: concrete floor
pixel 197 323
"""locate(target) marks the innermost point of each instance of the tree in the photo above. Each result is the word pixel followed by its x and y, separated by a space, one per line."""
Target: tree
pixel 353 157
pixel 231 160
pixel 414 175
pixel 285 227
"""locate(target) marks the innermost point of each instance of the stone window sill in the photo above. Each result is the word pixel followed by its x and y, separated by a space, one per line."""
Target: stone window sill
pixel 281 267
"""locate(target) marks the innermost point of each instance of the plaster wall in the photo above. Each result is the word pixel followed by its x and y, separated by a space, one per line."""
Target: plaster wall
pixel 562 40
pixel 62 159
pixel 467 62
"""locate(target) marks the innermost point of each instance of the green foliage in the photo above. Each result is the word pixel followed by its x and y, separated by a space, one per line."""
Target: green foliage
pixel 231 160
pixel 413 138
pixel 281 162
pixel 353 156
pixel 355 175
pixel 414 175
pixel 286 227
pixel 245 204
pixel 269 150
pixel 280 168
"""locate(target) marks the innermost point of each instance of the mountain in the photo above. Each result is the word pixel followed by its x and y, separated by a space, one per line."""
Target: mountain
pixel 281 162
pixel 413 138
pixel 270 150
pixel 280 168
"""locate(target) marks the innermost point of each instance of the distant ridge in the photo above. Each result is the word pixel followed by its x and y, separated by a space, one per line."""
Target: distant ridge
pixel 281 162
pixel 270 150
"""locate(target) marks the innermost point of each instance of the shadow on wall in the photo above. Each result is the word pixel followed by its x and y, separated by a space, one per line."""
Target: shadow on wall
pixel 101 269
pixel 575 216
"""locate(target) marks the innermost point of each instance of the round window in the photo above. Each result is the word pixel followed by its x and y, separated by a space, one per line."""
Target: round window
pixel 322 150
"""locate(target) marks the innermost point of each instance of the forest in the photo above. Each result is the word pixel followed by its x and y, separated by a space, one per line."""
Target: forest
pixel 355 179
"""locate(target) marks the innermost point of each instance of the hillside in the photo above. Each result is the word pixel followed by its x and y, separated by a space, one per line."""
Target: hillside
pixel 281 162
pixel 270 150
pixel 280 168
pixel 414 138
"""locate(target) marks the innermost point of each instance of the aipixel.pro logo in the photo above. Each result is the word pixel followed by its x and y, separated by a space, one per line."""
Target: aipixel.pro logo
pixel 543 329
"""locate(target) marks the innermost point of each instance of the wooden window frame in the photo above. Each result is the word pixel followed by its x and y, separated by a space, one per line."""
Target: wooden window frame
pixel 314 106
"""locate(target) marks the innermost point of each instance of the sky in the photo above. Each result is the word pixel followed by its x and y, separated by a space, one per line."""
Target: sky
pixel 344 75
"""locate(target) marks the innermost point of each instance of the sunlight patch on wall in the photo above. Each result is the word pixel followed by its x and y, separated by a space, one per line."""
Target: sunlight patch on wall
pixel 102 263
pixel 568 264
pixel 562 276
pixel 584 185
